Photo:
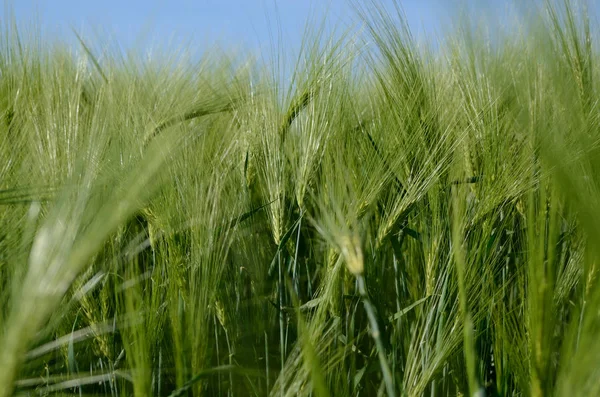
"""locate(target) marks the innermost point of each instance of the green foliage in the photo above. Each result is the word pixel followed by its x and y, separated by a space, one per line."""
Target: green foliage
pixel 392 220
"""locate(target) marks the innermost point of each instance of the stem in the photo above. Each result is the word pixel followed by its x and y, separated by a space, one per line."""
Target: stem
pixel 294 274
pixel 281 332
pixel 231 353
pixel 267 360
pixel 469 352
pixel 217 350
pixel 385 368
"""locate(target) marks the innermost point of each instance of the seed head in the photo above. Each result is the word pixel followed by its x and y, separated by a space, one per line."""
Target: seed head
pixel 352 253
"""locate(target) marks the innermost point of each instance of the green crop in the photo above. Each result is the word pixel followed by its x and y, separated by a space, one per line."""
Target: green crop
pixel 390 219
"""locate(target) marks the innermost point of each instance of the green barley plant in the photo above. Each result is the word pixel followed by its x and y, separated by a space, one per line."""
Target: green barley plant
pixel 382 216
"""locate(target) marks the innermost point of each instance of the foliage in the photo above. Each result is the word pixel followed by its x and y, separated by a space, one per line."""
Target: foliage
pixel 392 220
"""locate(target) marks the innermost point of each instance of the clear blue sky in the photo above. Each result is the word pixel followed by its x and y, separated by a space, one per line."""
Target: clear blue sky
pixel 202 23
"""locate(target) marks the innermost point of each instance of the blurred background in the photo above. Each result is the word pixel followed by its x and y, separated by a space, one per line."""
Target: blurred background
pixel 244 24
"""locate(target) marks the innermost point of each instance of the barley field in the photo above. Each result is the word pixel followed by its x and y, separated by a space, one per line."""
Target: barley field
pixel 386 219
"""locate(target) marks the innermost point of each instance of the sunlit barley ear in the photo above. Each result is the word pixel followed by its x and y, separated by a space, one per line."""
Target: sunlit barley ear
pixel 220 311
pixel 352 252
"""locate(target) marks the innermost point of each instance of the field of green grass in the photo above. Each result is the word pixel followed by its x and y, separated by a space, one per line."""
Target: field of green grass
pixel 386 220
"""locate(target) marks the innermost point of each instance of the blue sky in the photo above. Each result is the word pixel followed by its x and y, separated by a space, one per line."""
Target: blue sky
pixel 247 23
